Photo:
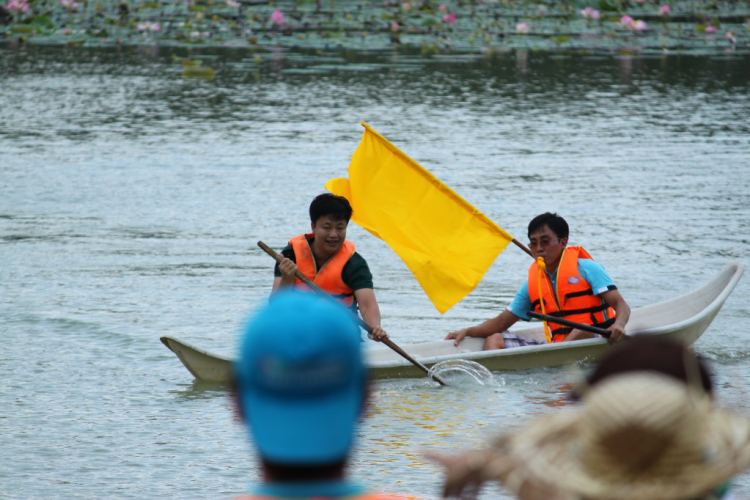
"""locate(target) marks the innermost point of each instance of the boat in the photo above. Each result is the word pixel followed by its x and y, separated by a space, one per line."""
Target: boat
pixel 684 319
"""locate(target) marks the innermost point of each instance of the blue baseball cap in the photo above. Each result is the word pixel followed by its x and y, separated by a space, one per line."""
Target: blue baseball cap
pixel 301 379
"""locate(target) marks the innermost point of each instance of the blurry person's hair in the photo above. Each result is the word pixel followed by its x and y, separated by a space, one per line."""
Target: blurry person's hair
pixel 644 353
pixel 277 472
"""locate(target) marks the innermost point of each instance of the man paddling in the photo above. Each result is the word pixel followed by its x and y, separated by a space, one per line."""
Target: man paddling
pixel 326 257
pixel 301 386
pixel 571 286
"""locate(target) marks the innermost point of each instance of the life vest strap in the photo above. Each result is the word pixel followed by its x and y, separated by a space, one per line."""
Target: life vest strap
pixel 582 293
pixel 570 312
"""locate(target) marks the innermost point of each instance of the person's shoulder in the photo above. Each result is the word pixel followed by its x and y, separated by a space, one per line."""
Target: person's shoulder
pixel 596 276
pixel 590 264
pixel 357 260
pixel 356 273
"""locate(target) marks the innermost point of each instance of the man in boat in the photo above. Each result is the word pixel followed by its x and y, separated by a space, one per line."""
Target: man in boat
pixel 328 258
pixel 572 286
pixel 301 386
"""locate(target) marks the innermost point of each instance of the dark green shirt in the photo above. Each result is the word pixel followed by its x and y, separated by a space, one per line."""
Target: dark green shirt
pixel 355 274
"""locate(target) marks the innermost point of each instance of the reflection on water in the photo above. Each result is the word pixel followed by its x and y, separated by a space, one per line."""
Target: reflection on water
pixel 201 389
pixel 132 200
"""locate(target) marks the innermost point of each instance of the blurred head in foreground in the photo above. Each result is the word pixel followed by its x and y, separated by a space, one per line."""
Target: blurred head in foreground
pixel 301 385
pixel 647 430
pixel 643 353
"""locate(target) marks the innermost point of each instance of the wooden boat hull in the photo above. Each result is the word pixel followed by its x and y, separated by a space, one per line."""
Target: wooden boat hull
pixel 683 319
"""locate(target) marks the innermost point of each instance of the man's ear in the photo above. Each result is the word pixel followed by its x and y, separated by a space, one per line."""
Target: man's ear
pixel 312 226
pixel 563 242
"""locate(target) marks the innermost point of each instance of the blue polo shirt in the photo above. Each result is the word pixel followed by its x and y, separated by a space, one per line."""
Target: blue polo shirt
pixel 589 270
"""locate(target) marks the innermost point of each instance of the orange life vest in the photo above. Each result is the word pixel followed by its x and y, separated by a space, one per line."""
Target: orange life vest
pixel 327 277
pixel 365 496
pixel 573 299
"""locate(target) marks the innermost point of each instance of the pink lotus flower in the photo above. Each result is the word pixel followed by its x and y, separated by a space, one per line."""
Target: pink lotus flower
pixel 590 13
pixel 70 4
pixel 450 19
pixel 443 8
pixel 148 26
pixel 640 26
pixel 277 17
pixel 405 6
pixel 15 5
pixel 232 3
pixel 626 22
pixel 664 10
pixel 711 29
pixel 394 26
pixel 522 28
pixel 730 36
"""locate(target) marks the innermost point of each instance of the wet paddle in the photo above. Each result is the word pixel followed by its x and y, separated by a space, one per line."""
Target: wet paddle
pixel 581 326
pixel 307 281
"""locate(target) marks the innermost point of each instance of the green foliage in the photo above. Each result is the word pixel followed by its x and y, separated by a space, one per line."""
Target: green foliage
pixel 149 5
pixel 577 5
pixel 560 39
pixel 43 22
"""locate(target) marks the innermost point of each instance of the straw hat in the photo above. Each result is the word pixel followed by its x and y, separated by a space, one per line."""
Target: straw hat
pixel 639 436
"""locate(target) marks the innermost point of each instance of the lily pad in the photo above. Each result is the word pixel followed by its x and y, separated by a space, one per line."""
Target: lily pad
pixel 198 72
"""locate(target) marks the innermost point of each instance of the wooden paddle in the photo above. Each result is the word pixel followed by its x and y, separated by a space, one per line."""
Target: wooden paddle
pixel 581 326
pixel 307 281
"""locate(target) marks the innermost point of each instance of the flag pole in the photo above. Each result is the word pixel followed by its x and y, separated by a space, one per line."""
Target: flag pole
pixel 523 247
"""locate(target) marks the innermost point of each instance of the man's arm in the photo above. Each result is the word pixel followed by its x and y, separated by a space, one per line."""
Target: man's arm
pixel 622 310
pixel 370 310
pixel 498 324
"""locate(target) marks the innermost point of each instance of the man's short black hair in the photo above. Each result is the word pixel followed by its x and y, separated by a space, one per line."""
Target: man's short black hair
pixel 553 221
pixel 336 207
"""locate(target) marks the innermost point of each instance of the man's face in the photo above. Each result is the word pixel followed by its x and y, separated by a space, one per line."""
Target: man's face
pixel 545 243
pixel 329 234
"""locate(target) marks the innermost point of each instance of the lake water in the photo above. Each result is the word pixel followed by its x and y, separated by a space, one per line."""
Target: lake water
pixel 131 201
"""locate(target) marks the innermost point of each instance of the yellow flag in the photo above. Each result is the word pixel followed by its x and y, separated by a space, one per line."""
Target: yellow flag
pixel 447 243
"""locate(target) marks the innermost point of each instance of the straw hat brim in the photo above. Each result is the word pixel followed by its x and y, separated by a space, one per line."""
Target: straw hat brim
pixel 548 453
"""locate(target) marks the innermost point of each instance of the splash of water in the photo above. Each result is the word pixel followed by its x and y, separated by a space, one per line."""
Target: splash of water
pixel 461 371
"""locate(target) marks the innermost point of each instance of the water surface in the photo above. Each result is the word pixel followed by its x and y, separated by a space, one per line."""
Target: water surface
pixel 131 200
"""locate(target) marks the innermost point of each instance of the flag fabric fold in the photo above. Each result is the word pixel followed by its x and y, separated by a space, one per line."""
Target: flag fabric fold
pixel 446 243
